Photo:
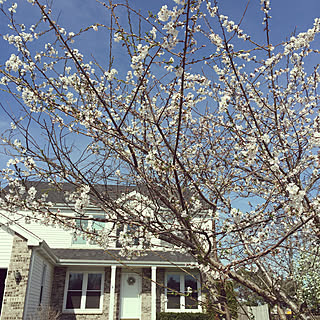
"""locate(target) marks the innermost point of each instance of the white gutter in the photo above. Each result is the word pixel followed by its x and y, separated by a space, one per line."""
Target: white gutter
pixel 72 262
pixel 46 251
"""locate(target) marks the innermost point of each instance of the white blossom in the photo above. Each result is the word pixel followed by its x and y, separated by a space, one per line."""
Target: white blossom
pixel 164 14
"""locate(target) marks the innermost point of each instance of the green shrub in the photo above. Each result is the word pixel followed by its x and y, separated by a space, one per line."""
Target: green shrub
pixel 183 316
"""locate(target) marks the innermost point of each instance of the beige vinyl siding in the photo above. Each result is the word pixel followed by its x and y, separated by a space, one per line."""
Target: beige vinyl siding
pixel 55 237
pixel 5 248
pixel 47 285
pixel 34 285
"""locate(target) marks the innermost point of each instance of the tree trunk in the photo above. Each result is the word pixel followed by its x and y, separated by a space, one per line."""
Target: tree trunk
pixel 281 313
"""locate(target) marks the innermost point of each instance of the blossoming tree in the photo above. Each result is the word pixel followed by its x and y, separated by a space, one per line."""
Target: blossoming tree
pixel 308 279
pixel 220 133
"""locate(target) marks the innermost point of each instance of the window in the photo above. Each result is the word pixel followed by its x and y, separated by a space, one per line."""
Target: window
pixel 183 292
pixel 43 277
pixel 92 225
pixel 84 292
pixel 126 236
pixel 97 225
pixel 82 225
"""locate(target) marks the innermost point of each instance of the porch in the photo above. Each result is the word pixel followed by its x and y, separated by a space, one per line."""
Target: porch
pixel 133 289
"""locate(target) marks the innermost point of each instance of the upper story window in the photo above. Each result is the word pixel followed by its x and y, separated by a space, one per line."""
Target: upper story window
pixel 183 292
pixel 126 236
pixel 83 292
pixel 85 224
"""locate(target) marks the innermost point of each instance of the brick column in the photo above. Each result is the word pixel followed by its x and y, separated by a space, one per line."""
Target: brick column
pixel 57 291
pixel 15 293
pixel 146 294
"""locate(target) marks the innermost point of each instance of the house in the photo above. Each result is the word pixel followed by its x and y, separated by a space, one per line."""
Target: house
pixel 48 268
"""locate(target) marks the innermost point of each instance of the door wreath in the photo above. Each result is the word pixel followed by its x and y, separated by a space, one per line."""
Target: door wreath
pixel 131 281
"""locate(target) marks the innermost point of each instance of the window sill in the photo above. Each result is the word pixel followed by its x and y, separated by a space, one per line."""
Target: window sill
pixel 82 311
pixel 184 310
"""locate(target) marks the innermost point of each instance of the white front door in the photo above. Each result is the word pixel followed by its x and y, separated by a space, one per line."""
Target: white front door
pixel 130 302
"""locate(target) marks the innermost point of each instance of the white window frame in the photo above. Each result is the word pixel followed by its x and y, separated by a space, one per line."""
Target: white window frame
pixel 183 290
pixel 83 309
pixel 90 224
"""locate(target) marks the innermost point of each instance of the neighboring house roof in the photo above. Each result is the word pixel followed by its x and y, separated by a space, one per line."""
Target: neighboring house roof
pixel 112 256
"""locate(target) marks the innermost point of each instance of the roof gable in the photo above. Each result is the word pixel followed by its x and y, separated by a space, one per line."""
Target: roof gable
pixel 11 226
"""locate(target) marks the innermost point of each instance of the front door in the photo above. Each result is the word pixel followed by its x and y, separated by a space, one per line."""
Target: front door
pixel 130 300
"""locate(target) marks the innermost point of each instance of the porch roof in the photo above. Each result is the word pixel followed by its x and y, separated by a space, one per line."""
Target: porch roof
pixel 101 257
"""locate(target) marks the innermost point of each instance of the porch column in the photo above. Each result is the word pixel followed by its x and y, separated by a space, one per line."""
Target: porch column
pixel 153 292
pixel 112 291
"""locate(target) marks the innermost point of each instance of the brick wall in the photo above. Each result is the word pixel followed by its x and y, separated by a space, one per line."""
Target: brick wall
pixel 116 314
pixel 161 297
pixel 57 290
pixel 15 293
pixel 146 294
pixel 58 294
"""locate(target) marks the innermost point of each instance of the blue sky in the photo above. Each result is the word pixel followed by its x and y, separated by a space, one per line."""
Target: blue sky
pixel 287 16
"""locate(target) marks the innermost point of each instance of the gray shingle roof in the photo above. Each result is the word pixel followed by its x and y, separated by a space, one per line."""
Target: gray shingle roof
pixel 58 196
pixel 112 255
pixel 57 193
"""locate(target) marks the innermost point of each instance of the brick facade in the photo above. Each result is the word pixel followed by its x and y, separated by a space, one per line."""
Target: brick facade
pixel 161 298
pixel 58 294
pixel 146 294
pixel 57 291
pixel 117 294
pixel 59 285
pixel 15 293
pixel 14 296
